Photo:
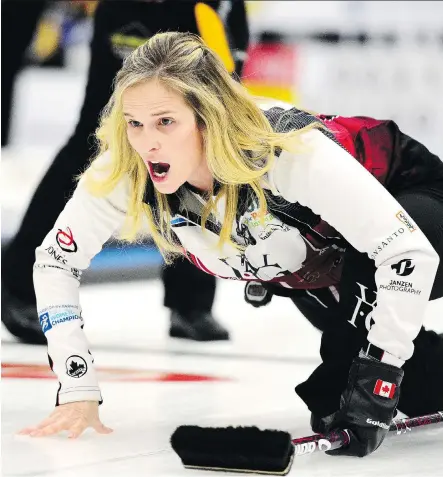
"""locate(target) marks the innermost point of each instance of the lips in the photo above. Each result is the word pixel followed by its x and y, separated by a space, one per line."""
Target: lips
pixel 158 170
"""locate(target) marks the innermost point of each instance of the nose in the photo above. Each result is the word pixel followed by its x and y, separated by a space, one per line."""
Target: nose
pixel 153 146
pixel 151 142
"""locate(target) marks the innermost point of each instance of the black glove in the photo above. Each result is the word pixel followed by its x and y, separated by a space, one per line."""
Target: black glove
pixel 367 406
pixel 256 294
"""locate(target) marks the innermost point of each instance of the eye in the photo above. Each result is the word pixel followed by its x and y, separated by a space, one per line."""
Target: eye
pixel 134 124
pixel 165 121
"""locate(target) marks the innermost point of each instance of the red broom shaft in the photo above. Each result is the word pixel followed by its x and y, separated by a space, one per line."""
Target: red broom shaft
pixel 409 423
pixel 334 440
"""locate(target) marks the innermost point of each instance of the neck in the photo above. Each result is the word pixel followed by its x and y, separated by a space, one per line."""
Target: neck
pixel 203 181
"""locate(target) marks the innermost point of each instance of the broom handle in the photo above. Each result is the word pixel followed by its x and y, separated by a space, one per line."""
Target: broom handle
pixel 334 440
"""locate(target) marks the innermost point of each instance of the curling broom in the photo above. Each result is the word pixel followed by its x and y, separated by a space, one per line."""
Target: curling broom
pixel 271 452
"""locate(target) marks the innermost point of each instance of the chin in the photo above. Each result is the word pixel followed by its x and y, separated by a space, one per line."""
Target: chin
pixel 165 188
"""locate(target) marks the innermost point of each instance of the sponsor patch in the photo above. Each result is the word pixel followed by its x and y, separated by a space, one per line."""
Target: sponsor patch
pixel 377 423
pixel 76 366
pixel 271 228
pixel 384 389
pixel 385 243
pixel 57 316
pixel 45 322
pixel 65 240
pixel 401 286
pixel 61 307
pixel 58 257
pixel 403 217
pixel 403 268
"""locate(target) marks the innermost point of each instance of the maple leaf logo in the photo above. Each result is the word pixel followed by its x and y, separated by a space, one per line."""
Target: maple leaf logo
pixel 385 389
pixel 76 366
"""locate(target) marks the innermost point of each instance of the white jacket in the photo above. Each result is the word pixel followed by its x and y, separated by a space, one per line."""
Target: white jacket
pixel 356 205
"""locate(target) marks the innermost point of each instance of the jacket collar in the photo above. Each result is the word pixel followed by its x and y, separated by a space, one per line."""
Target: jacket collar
pixel 173 199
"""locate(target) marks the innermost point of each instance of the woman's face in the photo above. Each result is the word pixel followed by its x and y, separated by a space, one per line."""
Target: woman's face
pixel 162 128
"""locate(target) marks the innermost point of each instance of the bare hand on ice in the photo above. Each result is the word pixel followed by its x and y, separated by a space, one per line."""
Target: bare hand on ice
pixel 73 417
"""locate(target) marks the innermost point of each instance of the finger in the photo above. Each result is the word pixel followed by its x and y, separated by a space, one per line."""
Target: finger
pixel 102 429
pixel 41 425
pixel 76 430
pixel 50 429
pixel 26 430
pixel 46 422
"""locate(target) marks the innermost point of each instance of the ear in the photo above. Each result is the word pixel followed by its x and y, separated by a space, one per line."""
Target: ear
pixel 200 124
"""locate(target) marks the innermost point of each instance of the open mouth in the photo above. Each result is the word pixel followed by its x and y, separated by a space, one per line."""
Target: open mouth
pixel 158 170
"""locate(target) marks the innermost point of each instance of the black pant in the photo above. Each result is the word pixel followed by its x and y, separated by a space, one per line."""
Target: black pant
pixel 19 20
pixel 344 324
pixel 187 288
pixel 184 289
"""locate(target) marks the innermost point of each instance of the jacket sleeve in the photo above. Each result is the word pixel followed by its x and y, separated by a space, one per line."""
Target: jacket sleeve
pixel 81 229
pixel 328 180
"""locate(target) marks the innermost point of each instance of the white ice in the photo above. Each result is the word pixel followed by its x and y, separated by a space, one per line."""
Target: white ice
pixel 272 349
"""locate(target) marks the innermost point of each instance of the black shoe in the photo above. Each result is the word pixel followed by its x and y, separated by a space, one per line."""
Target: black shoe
pixel 197 326
pixel 21 319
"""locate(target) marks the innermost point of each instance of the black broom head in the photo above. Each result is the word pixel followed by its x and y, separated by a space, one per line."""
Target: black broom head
pixel 234 449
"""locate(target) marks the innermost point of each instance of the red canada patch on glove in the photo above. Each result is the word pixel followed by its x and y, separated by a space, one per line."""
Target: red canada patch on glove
pixel 384 389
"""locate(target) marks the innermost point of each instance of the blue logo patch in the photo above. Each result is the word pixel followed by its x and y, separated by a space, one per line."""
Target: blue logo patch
pixel 50 319
pixel 45 322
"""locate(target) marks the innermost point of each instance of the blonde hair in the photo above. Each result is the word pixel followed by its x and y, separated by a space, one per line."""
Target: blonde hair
pixel 239 142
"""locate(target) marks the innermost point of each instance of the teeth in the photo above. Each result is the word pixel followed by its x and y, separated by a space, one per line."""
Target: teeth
pixel 161 174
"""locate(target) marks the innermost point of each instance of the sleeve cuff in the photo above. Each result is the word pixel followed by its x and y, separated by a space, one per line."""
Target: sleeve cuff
pixel 79 394
pixel 379 354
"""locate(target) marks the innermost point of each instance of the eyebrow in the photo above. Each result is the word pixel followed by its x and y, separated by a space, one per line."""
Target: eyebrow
pixel 160 113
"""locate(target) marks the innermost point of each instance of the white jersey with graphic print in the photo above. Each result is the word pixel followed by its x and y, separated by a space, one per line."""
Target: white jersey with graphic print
pixel 324 182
